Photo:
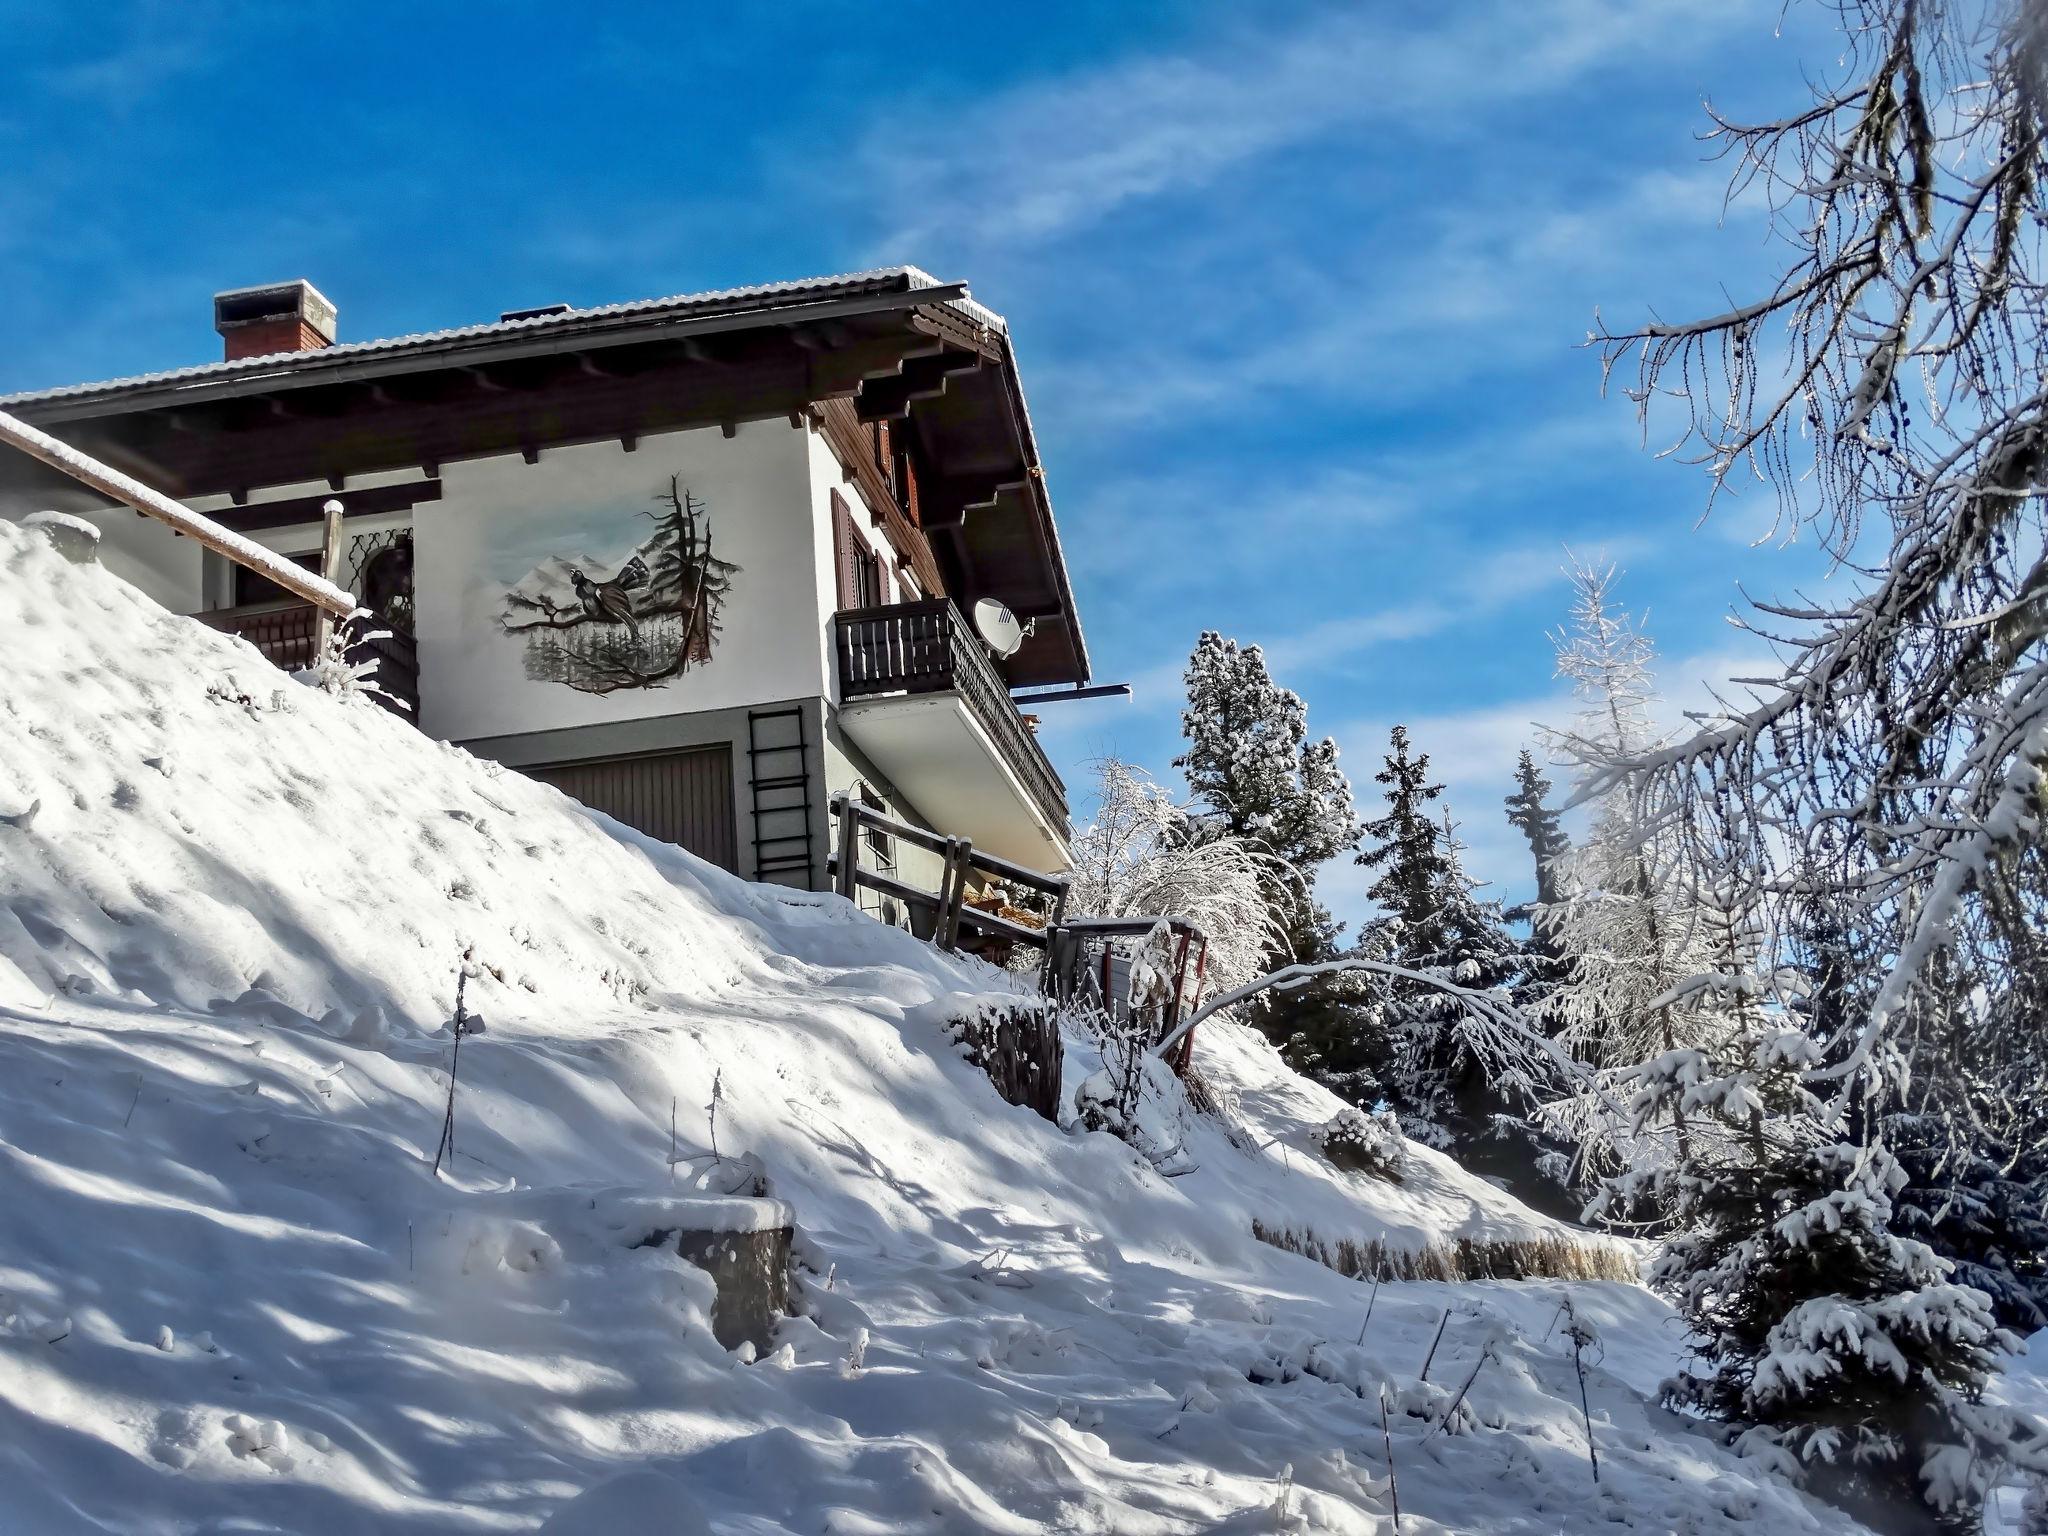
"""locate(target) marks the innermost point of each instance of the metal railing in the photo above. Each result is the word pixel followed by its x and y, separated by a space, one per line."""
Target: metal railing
pixel 927 647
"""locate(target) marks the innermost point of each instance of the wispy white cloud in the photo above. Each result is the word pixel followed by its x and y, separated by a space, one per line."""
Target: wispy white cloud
pixel 1459 594
pixel 1436 296
pixel 1052 156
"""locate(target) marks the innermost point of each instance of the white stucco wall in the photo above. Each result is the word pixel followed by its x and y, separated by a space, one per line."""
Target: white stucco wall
pixel 501 518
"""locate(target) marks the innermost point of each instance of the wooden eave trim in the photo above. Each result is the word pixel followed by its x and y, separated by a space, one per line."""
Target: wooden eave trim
pixel 368 501
pixel 309 371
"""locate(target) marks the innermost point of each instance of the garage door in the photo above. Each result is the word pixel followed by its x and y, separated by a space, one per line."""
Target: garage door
pixel 679 797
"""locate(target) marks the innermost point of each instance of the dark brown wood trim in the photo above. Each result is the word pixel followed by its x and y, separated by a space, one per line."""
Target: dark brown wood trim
pixel 853 445
pixel 369 501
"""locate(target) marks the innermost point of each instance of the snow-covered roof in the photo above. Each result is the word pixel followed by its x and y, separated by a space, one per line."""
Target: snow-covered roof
pixel 713 302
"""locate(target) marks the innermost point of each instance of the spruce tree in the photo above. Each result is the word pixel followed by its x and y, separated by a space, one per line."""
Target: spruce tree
pixel 1831 1341
pixel 1250 762
pixel 1973 1151
pixel 1529 815
pixel 1253 770
pixel 1441 1075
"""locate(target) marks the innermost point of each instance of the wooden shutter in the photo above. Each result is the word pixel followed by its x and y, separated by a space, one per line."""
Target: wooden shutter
pixel 843 553
pixel 906 481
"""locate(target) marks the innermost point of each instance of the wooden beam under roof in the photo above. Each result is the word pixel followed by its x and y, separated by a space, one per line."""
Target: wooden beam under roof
pixel 349 430
pixel 947 499
pixel 368 501
pixel 888 398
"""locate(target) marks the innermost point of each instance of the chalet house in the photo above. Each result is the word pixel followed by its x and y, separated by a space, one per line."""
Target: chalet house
pixel 703 562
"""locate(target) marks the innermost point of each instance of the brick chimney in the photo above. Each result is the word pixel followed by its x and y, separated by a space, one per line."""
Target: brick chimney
pixel 276 317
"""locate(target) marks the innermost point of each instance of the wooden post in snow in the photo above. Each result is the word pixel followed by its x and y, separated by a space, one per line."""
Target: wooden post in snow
pixel 953 891
pixel 849 843
pixel 130 492
pixel 330 568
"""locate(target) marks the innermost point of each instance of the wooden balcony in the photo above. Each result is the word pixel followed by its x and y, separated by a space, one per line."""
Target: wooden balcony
pixel 283 633
pixel 926 652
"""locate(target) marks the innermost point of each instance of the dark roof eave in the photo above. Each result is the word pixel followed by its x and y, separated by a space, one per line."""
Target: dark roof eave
pixel 513 340
pixel 1042 504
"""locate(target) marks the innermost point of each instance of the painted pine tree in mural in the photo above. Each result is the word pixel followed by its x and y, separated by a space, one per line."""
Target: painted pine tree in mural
pixel 652 619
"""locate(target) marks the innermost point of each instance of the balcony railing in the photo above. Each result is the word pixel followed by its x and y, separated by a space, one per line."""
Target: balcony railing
pixel 283 632
pixel 926 647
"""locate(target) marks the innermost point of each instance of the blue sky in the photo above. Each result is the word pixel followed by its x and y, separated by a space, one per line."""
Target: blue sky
pixel 1298 289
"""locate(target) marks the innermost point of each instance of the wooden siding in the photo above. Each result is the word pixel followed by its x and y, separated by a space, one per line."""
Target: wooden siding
pixel 685 798
pixel 854 445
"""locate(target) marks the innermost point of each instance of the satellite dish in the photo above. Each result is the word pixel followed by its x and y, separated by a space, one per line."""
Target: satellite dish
pixel 999 627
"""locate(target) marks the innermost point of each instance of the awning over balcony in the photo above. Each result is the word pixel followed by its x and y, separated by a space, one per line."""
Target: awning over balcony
pixel 921 701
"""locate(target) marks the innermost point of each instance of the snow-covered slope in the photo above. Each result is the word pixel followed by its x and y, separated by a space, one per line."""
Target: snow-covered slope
pixel 234 1298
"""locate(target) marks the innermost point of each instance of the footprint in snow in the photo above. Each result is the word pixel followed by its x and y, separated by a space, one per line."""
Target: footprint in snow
pixel 176 1437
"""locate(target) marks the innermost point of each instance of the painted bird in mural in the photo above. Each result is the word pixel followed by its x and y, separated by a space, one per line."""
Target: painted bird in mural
pixel 612 600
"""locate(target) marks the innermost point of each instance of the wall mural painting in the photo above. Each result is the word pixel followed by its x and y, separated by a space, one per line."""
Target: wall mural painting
pixel 633 623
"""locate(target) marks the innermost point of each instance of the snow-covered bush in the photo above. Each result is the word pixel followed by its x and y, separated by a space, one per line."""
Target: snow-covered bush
pixel 1147 855
pixel 333 671
pixel 1836 1344
pixel 1359 1142
pixel 2034 1510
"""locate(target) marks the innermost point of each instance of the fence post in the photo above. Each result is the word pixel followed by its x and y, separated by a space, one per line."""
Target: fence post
pixel 953 891
pixel 849 843
pixel 330 570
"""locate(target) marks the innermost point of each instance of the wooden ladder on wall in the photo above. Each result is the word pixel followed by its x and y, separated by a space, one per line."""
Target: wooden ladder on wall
pixel 779 776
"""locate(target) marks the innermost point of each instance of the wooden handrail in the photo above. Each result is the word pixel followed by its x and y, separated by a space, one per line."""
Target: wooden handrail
pixel 127 490
pixel 948 905
pixel 918 837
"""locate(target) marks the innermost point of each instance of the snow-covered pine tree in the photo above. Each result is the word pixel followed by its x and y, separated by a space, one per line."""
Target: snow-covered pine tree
pixel 1256 775
pixel 1651 949
pixel 1453 1081
pixel 1543 967
pixel 1249 760
pixel 1530 814
pixel 1965 1112
pixel 1828 1338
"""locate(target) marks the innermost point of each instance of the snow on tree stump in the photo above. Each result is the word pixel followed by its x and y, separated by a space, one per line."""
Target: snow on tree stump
pixel 74 538
pixel 743 1245
pixel 1016 1041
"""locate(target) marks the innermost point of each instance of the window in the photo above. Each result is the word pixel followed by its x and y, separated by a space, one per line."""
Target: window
pixel 254 587
pixel 870 585
pixel 863 583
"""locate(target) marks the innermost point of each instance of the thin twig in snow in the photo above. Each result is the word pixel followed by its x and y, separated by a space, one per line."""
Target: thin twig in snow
pixel 1441 1323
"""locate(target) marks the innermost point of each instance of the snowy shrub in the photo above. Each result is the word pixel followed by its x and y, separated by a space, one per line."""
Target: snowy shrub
pixel 2034 1510
pixel 1826 1335
pixel 333 672
pixel 1145 855
pixel 1359 1142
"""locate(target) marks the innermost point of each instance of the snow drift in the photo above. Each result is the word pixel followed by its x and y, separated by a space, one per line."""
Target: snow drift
pixel 233 1296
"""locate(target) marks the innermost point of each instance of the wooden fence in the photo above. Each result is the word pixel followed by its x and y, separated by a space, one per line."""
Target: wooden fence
pixel 940 915
pixel 1083 961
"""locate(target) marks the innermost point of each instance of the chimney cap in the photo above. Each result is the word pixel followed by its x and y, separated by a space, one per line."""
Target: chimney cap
pixel 298 299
